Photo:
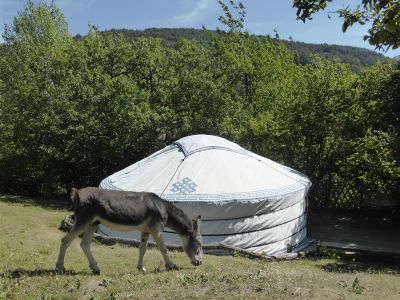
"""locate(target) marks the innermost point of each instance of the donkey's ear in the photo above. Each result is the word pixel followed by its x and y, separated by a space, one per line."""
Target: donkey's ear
pixel 196 226
pixel 74 196
pixel 74 193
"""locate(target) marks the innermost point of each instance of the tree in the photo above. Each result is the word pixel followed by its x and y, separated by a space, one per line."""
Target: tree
pixel 42 24
pixel 32 68
pixel 384 14
pixel 264 85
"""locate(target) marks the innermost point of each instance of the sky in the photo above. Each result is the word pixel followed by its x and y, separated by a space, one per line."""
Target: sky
pixel 263 16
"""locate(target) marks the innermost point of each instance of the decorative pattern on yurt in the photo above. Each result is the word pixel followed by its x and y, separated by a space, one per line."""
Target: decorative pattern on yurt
pixel 245 200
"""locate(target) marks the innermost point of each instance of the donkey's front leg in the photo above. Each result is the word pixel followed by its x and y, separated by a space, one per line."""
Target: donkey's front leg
pixel 85 245
pixel 65 242
pixel 142 251
pixel 160 243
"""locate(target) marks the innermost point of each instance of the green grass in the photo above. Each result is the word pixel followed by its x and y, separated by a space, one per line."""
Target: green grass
pixel 29 242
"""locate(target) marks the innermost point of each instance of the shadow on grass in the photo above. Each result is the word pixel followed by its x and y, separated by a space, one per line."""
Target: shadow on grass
pixel 17 273
pixel 372 267
pixel 56 203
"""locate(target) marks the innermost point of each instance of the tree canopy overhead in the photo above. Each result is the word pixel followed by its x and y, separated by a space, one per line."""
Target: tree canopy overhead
pixel 384 32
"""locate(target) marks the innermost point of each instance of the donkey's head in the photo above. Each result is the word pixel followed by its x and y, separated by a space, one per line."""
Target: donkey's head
pixel 192 245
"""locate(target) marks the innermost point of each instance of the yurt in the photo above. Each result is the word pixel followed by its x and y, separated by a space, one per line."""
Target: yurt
pixel 245 200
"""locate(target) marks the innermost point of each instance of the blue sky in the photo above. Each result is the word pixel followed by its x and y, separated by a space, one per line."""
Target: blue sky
pixel 263 16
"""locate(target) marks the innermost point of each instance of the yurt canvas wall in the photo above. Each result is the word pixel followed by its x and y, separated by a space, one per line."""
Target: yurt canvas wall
pixel 245 200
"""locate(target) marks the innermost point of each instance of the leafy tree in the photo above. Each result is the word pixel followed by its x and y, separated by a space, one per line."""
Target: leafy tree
pixel 40 25
pixel 374 156
pixel 325 118
pixel 106 119
pixel 198 94
pixel 265 86
pixel 357 58
pixel 234 24
pixel 371 165
pixel 384 14
pixel 31 71
pixel 379 88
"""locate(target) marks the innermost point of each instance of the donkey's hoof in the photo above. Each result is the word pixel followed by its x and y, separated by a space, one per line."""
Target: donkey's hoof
pixel 142 269
pixel 96 271
pixel 60 269
pixel 172 267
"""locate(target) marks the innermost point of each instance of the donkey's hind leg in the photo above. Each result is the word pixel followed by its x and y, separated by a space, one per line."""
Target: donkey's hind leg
pixel 65 242
pixel 142 251
pixel 85 245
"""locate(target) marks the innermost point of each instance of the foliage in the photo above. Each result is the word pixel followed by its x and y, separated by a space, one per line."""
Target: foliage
pixel 73 111
pixel 326 252
pixel 234 24
pixel 41 25
pixel 325 122
pixel 384 14
pixel 357 287
pixel 371 163
pixel 357 58
pixel 32 71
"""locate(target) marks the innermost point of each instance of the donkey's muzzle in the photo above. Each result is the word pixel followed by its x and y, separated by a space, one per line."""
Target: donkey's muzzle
pixel 197 263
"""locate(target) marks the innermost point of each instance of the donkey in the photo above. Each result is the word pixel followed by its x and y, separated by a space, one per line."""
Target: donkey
pixel 127 211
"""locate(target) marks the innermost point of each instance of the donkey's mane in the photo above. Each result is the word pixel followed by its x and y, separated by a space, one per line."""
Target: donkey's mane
pixel 178 220
pixel 83 197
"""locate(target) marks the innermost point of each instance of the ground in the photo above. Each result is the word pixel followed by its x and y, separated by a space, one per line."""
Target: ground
pixel 29 242
pixel 368 231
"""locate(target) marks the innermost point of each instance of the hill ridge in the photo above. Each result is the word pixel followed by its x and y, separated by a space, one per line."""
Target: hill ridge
pixel 356 57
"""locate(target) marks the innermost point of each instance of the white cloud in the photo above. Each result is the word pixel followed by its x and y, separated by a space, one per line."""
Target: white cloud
pixel 197 11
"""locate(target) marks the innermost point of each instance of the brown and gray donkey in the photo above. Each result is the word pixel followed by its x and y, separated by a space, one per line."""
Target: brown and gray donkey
pixel 127 211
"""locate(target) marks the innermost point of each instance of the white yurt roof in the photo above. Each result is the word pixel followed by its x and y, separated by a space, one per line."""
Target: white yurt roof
pixel 207 168
pixel 245 200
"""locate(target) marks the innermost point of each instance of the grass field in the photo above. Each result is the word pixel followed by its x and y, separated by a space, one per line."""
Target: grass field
pixel 29 242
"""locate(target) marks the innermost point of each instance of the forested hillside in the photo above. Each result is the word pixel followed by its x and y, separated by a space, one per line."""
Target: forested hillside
pixel 357 58
pixel 73 111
